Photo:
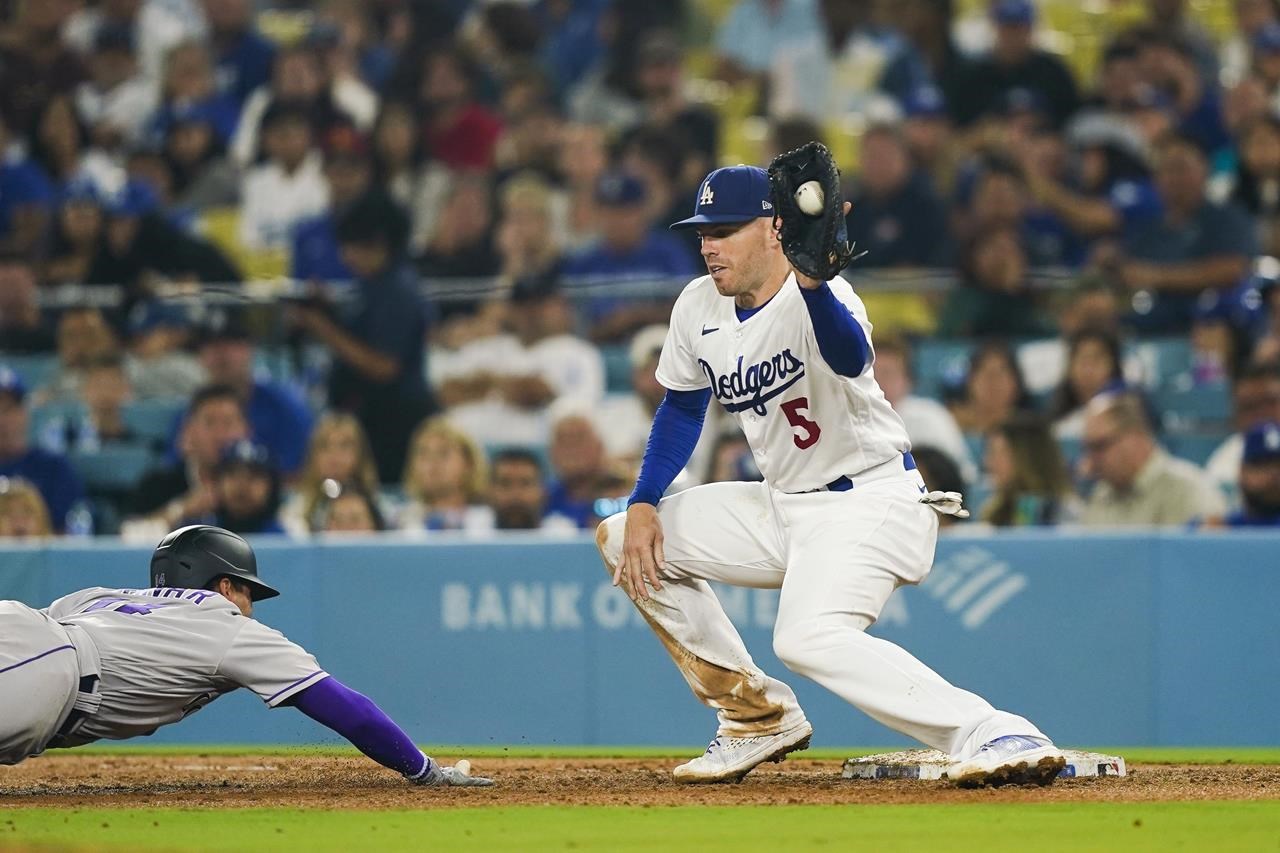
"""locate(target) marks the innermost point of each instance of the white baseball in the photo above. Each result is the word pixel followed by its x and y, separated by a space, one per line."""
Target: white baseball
pixel 809 198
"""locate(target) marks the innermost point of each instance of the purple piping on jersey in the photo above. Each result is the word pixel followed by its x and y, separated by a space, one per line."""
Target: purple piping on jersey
pixel 36 658
pixel 295 684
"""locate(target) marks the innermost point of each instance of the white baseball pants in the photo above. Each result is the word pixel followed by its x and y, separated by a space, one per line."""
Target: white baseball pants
pixel 39 674
pixel 837 557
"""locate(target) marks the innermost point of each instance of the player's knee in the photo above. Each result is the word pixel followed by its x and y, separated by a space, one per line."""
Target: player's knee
pixel 609 539
pixel 794 646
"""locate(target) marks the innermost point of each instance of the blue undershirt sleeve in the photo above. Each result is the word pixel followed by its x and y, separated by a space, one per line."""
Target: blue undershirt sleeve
pixel 676 427
pixel 355 717
pixel 841 340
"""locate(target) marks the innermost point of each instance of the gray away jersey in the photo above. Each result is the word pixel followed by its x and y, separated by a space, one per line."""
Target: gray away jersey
pixel 166 653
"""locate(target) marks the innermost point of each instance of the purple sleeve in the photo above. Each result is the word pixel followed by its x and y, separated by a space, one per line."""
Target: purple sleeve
pixel 841 340
pixel 676 427
pixel 354 716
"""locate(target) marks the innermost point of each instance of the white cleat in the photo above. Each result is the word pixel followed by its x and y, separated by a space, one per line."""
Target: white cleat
pixel 1010 760
pixel 728 759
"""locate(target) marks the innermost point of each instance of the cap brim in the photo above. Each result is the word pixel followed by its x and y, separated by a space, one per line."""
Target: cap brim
pixel 713 219
pixel 258 590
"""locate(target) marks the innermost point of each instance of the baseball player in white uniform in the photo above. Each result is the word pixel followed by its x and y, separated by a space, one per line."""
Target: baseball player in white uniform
pixel 842 519
pixel 120 663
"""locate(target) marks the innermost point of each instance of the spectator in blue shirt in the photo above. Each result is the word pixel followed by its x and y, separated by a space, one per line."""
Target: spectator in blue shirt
pixel 348 169
pixel 26 199
pixel 378 337
pixel 1196 245
pixel 243 56
pixel 59 485
pixel 629 248
pixel 897 218
pixel 1259 479
pixel 278 418
pixel 246 487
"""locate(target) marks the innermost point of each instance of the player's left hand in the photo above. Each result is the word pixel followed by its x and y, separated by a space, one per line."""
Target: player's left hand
pixel 814 283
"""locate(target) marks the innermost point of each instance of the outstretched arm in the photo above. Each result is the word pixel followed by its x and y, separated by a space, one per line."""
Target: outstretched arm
pixel 354 716
pixel 841 339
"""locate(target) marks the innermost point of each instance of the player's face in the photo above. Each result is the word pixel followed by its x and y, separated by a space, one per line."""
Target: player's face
pixel 237 594
pixel 741 257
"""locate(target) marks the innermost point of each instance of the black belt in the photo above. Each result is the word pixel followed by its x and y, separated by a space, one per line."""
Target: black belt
pixel 844 484
pixel 88 684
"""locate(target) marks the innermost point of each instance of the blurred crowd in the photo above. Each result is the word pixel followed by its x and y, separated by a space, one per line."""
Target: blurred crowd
pixel 1069 217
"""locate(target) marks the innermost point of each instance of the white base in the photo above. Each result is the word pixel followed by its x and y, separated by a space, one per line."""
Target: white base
pixel 930 764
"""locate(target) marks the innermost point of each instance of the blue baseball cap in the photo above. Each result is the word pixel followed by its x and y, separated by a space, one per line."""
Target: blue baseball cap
pixel 731 194
pixel 81 190
pixel 11 383
pixel 618 189
pixel 1016 12
pixel 246 454
pixel 1262 443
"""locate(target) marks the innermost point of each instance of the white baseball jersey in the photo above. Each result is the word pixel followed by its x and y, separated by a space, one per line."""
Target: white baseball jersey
pixel 166 653
pixel 807 425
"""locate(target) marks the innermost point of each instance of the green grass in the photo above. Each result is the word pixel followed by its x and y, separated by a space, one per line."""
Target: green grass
pixel 1219 827
pixel 1131 754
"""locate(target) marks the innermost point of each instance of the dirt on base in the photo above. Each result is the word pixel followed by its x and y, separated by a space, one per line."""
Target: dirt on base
pixel 195 781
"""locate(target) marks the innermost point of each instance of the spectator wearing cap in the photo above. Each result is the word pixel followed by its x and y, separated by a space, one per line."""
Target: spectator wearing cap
pixel 754 32
pixel 378 338
pixel 278 418
pixel 195 155
pixel 929 136
pixel 1255 399
pixel 137 244
pixel 24 328
pixel 348 170
pixel 500 388
pixel 628 248
pixel 1013 62
pixel 190 86
pixel 117 100
pixel 246 491
pixel 243 55
pixel 58 483
pixel 289 187
pixel 458 130
pixel 897 218
pixel 184 489
pixel 1137 482
pixel 158 363
pixel 26 199
pixel 1259 478
pixel 1195 245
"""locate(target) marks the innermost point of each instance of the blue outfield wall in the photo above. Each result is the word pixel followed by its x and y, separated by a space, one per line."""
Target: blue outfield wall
pixel 1157 639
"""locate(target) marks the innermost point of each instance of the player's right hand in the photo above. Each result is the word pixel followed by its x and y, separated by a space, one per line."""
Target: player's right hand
pixel 642 556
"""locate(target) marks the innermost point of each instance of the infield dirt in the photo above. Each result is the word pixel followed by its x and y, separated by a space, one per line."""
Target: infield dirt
pixel 326 782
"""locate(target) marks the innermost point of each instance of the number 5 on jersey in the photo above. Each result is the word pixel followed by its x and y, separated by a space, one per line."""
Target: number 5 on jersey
pixel 811 432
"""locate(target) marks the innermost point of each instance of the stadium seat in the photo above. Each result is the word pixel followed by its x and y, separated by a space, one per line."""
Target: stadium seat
pixel 1194 447
pixel 112 469
pixel 1198 406
pixel 617 369
pixel 154 420
pixel 42 417
pixel 34 370
pixel 940 363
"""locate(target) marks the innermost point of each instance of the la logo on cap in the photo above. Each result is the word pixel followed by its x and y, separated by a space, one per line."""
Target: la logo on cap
pixel 707 194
